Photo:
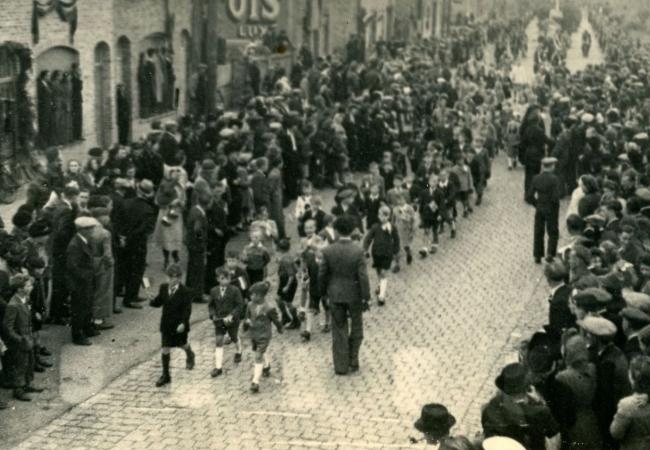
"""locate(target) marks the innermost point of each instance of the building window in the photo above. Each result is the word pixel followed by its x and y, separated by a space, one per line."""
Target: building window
pixel 156 78
pixel 59 97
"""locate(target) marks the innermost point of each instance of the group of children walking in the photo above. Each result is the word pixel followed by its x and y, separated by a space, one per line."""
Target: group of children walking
pixel 385 209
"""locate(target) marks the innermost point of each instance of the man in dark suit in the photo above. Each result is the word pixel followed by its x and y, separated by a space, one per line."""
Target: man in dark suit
pixel 63 229
pixel 343 279
pixel 291 142
pixel 197 244
pixel 17 332
pixel 176 302
pixel 80 274
pixel 544 194
pixel 560 317
pixel 139 224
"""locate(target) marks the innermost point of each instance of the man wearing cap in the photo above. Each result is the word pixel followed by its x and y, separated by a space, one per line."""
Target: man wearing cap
pixel 343 279
pixel 611 371
pixel 545 193
pixel 81 276
pixel 139 223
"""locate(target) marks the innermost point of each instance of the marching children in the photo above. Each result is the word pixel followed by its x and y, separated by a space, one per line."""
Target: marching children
pixel 404 221
pixel 256 257
pixel 371 204
pixel 260 316
pixel 465 186
pixel 303 205
pixel 312 245
pixel 430 215
pixel 176 302
pixel 384 240
pixel 225 308
pixel 267 227
pixel 287 285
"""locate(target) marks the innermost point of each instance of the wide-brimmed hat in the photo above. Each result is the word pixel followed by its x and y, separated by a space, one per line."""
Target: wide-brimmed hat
pixel 435 420
pixel 512 379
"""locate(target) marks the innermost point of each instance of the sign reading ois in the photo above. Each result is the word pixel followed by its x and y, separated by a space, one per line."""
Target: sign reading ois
pixel 253 17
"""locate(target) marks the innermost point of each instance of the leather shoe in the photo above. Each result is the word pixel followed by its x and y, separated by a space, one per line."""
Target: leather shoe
pixel 341 373
pixel 237 358
pixel 33 390
pixel 255 388
pixel 163 380
pixel 82 341
pixel 191 360
pixel 22 396
pixel 132 305
pixel 216 372
pixel 92 332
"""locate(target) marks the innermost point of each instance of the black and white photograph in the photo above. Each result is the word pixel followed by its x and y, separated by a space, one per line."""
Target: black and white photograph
pixel 324 224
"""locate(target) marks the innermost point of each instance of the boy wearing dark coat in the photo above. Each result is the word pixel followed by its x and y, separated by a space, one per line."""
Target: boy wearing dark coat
pixel 226 308
pixel 384 239
pixel 18 334
pixel 176 302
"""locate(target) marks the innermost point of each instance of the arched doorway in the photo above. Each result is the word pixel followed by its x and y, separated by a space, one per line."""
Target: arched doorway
pixel 123 91
pixel 58 96
pixel 103 122
pixel 185 64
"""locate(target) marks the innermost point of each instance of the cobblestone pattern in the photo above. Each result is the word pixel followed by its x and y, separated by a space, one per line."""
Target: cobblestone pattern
pixel 445 330
pixel 450 324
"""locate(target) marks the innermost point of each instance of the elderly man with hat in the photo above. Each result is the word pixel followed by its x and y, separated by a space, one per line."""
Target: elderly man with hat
pixel 435 423
pixel 516 414
pixel 611 371
pixel 81 276
pixel 139 222
pixel 545 193
pixel 17 332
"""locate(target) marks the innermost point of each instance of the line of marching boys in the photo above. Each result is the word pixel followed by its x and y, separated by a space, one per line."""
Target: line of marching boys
pixel 384 207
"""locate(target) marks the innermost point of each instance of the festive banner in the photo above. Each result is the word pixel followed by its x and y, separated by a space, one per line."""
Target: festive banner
pixel 66 10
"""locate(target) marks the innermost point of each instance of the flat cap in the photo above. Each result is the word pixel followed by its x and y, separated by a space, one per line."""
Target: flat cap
pixel 598 326
pixel 85 222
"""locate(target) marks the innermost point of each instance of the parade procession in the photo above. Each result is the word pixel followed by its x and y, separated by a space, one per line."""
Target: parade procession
pixel 336 224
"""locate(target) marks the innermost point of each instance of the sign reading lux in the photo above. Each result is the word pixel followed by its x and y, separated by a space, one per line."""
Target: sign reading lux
pixel 253 17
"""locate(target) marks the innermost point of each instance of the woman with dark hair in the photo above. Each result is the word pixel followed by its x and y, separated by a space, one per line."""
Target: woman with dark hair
pixel 590 202
pixel 533 142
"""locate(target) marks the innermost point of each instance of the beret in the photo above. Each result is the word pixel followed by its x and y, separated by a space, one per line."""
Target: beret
pixel 586 301
pixel 635 315
pixel 643 194
pixel 587 118
pixel 637 300
pixel 227 132
pixel 85 222
pixel 597 326
pixel 601 295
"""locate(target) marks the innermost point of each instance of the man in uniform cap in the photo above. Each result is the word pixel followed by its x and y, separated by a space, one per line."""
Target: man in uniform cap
pixel 81 276
pixel 545 193
pixel 611 372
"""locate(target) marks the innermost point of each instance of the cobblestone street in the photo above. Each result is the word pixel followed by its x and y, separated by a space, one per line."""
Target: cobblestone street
pixel 449 324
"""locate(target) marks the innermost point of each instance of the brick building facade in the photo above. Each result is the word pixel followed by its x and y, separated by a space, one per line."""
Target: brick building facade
pixel 109 38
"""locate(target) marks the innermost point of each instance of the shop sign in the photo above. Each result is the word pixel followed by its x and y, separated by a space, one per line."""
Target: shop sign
pixel 253 17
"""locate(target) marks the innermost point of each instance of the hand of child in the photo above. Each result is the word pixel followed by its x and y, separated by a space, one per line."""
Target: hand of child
pixel 227 319
pixel 180 328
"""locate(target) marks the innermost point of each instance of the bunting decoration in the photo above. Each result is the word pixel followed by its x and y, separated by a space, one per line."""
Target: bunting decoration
pixel 65 9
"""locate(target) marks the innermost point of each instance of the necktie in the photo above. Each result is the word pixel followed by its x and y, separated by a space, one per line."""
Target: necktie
pixel 223 291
